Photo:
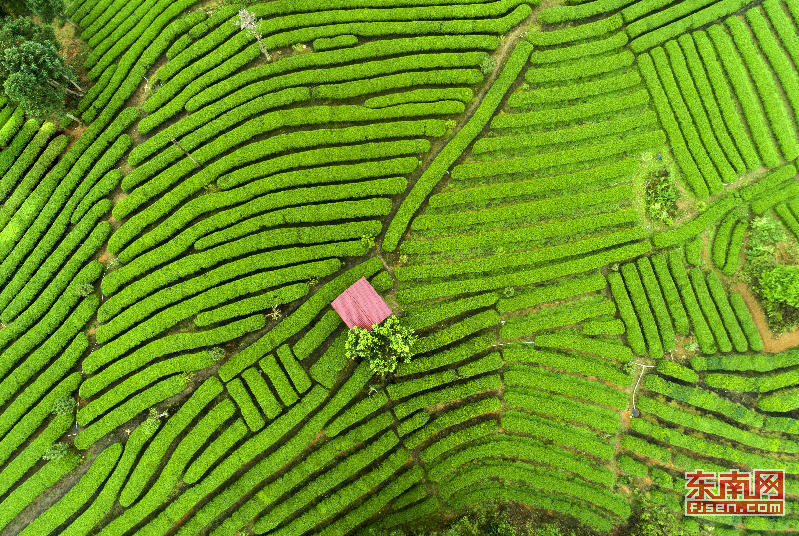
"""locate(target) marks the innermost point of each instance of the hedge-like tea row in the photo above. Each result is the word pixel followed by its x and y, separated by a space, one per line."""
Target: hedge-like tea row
pixel 129 409
pixel 429 316
pixel 777 57
pixel 565 384
pixel 671 294
pixel 246 406
pixel 701 56
pixel 633 143
pixel 721 239
pixel 74 499
pixel 754 384
pixel 32 176
pixel 782 124
pixel 51 335
pixel 584 10
pixel 529 211
pixel 140 380
pixel 725 310
pixel 597 106
pixel 667 23
pixel 635 336
pixel 766 201
pixel 586 366
pixel 561 434
pixel 709 310
pixel 20 167
pixel 527 99
pixel 447 156
pixel 175 343
pixel 16 469
pixel 227 467
pixel 578 51
pixel 317 68
pixel 582 68
pixel 169 475
pixel 702 331
pixel 38 284
pixel 216 287
pixel 151 458
pixel 109 491
pixel 704 399
pixel 656 300
pixel 215 450
pixel 693 443
pixel 577 32
pixel 558 291
pixel 294 141
pixel 572 340
pixel 744 90
pixel 585 263
pixel 672 128
pixel 619 126
pixel 643 311
pixel 37 389
pixel 684 96
pixel 559 407
pixel 677 371
pixel 207 232
pixel 572 312
pixel 716 427
pixel 293 366
pixel 787 217
pixel 714 114
pixel 322 484
pixel 248 306
pixel 447 394
pixel 380 84
pixel 27 425
pixel 24 494
pixel 438 95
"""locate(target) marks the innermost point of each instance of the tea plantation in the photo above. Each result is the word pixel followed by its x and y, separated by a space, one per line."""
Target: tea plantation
pixel 577 205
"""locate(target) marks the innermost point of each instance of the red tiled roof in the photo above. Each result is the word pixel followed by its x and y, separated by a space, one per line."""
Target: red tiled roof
pixel 360 305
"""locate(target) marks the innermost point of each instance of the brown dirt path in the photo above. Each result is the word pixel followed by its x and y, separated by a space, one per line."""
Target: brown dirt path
pixel 771 344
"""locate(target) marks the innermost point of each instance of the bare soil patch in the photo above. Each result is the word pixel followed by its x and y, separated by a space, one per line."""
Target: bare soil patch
pixel 771 344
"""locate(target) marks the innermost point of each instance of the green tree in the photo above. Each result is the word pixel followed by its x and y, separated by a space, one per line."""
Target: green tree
pixel 781 284
pixel 384 346
pixel 33 73
pixel 46 10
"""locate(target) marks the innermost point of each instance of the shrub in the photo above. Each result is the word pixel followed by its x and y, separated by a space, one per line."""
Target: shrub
pixel 384 346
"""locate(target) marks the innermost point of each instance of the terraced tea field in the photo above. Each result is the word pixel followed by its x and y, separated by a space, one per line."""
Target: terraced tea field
pixel 572 204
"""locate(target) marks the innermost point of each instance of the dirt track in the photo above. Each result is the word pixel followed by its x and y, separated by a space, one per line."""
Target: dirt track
pixel 771 344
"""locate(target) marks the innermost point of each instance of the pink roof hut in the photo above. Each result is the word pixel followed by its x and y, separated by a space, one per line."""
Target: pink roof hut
pixel 360 305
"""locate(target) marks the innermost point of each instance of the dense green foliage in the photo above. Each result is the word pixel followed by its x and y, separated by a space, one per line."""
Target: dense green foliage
pixel 384 346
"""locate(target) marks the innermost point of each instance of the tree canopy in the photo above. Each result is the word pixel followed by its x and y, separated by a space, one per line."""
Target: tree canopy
pixel 32 71
pixel 46 10
pixel 384 346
